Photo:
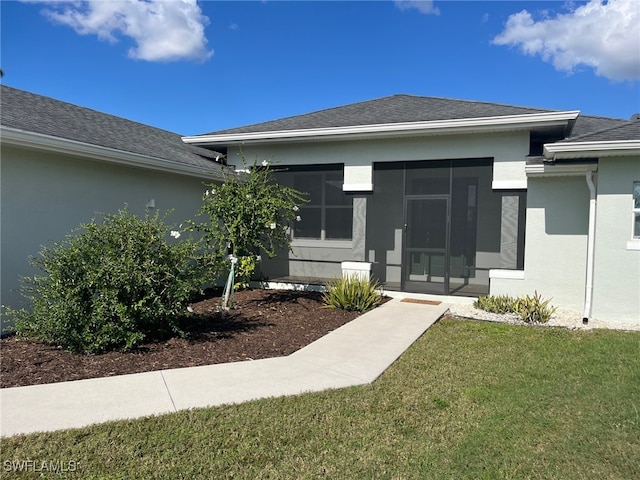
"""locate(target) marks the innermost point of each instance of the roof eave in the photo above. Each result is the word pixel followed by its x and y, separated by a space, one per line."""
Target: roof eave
pixel 572 150
pixel 32 140
pixel 357 132
pixel 548 169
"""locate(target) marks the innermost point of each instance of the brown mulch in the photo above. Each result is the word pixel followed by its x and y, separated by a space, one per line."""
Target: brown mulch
pixel 264 323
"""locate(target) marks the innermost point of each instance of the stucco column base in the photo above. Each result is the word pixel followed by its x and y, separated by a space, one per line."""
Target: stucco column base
pixel 361 270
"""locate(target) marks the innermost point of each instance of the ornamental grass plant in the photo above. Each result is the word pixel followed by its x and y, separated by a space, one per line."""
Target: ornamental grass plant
pixel 530 308
pixel 352 293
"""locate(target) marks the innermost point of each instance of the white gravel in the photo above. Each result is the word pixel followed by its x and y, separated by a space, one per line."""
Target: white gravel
pixel 561 318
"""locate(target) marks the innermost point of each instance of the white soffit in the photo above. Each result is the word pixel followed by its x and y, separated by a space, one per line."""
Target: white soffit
pixel 21 138
pixel 464 125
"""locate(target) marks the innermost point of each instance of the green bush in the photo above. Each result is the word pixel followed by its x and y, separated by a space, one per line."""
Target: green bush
pixel 352 293
pixel 110 285
pixel 531 309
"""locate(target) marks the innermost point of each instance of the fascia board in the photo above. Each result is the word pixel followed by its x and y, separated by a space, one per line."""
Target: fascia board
pixel 21 138
pixel 466 125
pixel 567 150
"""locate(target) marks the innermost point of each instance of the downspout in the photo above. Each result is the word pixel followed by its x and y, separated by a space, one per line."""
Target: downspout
pixel 591 240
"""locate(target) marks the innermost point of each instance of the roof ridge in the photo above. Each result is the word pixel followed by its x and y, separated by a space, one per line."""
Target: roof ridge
pixel 501 104
pixel 485 102
pixel 340 112
pixel 409 95
pixel 328 109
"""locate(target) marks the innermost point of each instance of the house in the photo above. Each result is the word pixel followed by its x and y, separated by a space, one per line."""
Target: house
pixel 62 165
pixel 424 194
pixel 454 197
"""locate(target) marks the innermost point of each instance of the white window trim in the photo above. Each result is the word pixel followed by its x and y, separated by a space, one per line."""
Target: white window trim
pixel 635 211
pixel 634 243
pixel 506 274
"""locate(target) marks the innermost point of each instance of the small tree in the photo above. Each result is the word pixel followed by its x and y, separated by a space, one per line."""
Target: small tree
pixel 249 213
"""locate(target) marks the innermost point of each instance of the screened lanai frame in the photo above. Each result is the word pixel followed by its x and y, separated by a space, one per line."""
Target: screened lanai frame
pixel 437 226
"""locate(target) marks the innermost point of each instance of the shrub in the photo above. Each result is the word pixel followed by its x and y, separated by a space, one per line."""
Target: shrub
pixel 531 309
pixel 352 293
pixel 110 285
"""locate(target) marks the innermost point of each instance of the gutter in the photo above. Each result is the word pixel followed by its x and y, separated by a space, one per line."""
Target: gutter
pixel 352 132
pixel 573 150
pixel 38 141
pixel 591 237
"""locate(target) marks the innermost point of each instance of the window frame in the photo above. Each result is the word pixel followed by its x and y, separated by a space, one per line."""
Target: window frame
pixel 635 210
pixel 634 242
pixel 324 208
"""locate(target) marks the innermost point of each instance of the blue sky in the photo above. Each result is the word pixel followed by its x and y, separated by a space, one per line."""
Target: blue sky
pixel 195 67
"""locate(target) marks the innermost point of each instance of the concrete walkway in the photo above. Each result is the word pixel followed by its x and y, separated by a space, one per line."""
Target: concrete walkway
pixel 354 354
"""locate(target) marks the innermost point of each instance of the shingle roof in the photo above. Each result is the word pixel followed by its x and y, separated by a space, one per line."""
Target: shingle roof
pixel 586 124
pixel 38 114
pixel 628 130
pixel 392 109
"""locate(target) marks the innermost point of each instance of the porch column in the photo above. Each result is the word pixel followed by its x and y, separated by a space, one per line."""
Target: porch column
pixel 359 227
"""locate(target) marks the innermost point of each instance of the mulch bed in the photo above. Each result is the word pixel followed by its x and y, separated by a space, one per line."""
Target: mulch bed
pixel 264 323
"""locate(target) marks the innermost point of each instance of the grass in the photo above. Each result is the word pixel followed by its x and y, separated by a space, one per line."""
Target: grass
pixel 469 400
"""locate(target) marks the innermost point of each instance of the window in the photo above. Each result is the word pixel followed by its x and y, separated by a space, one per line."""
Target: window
pixel 329 213
pixel 636 210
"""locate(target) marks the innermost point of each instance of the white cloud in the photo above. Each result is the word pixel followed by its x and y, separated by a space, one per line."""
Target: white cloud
pixel 423 6
pixel 604 36
pixel 163 30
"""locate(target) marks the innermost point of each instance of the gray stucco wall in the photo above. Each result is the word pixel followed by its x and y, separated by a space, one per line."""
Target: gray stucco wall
pixel 555 242
pixel 45 196
pixel 508 150
pixel 616 289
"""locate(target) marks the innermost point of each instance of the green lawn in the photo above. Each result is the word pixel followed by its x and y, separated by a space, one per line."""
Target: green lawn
pixel 469 400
